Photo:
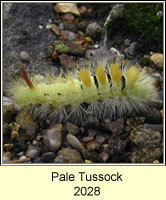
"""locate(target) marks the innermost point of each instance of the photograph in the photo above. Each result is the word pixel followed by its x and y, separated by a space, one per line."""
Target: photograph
pixel 82 83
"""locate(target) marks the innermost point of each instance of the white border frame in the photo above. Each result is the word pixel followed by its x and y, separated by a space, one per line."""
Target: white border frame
pixel 98 164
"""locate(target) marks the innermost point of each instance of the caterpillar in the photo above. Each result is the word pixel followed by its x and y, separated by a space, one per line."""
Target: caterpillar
pixel 105 89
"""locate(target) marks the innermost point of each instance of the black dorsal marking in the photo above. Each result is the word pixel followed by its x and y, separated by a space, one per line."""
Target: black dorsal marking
pixel 96 82
pixel 123 80
pixel 121 66
pixel 59 94
pixel 109 79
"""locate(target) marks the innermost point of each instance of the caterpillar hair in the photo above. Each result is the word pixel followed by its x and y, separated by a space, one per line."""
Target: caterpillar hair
pixel 106 89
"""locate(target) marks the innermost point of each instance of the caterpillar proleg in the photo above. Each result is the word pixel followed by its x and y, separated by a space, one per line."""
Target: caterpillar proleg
pixel 107 89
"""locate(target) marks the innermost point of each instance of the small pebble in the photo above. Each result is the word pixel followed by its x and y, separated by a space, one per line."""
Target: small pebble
pixel 8 111
pixel 6 129
pixel 158 59
pixel 24 56
pixel 82 26
pixel 14 134
pixel 66 61
pixel 48 157
pixel 14 126
pixel 64 35
pixel 67 155
pixel 92 132
pixel 29 132
pixel 34 142
pixel 25 119
pixel 72 128
pixel 83 10
pixel 68 17
pixel 155 127
pixel 94 30
pixel 100 139
pixel 8 99
pixel 116 126
pixel 8 147
pixel 81 34
pixel 49 20
pixel 38 160
pixel 21 143
pixel 89 40
pixel 115 52
pixel 23 157
pixel 75 49
pixel 127 42
pixel 162 113
pixel 87 139
pixel 20 154
pixel 72 36
pixel 53 137
pixel 55 29
pixel 40 27
pixel 104 156
pixel 6 157
pixel 154 117
pixel 156 162
pixel 75 142
pixel 133 48
pixel 93 145
pixel 88 161
pixel 32 151
pixel 66 8
pixel 96 46
pixel 39 138
pixel 61 26
pixel 70 26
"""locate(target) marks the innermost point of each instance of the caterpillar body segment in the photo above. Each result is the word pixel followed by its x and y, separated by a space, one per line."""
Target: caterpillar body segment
pixel 116 73
pixel 85 77
pixel 101 75
pixel 105 91
pixel 132 75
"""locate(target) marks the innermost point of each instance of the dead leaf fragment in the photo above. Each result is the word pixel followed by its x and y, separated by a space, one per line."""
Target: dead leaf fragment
pixel 80 41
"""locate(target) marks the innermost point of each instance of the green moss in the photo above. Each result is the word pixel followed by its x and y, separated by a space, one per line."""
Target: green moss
pixel 61 48
pixel 145 20
pixel 141 20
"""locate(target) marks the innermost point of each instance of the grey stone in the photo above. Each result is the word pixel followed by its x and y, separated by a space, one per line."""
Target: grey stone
pixel 133 48
pixel 32 151
pixel 48 157
pixel 75 142
pixel 94 30
pixel 24 56
pixel 53 137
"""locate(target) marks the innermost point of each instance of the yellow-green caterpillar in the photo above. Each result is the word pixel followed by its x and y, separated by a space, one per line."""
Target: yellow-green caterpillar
pixel 104 90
